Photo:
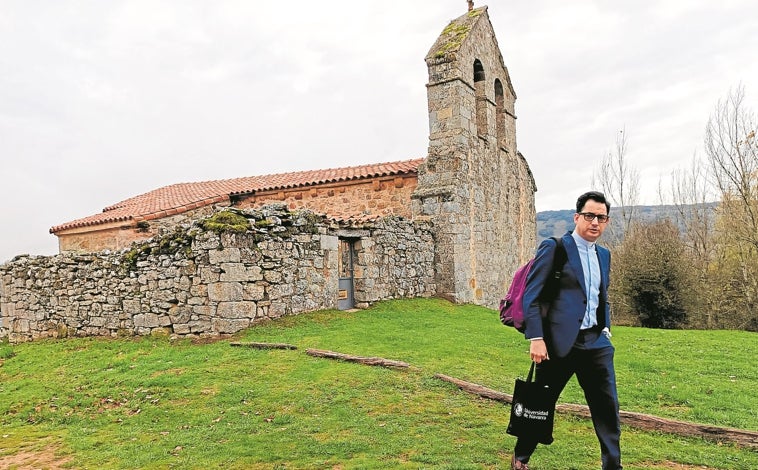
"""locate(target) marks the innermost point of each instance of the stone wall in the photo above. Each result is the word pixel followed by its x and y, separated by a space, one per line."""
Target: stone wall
pixel 119 235
pixel 474 184
pixel 194 281
pixel 374 197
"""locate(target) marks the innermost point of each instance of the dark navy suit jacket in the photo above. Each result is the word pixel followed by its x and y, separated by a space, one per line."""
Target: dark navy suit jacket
pixel 561 326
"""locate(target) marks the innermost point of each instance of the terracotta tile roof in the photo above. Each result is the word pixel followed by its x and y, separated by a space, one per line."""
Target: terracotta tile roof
pixel 182 197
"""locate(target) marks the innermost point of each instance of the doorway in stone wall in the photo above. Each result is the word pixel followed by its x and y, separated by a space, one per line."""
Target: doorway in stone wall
pixel 346 292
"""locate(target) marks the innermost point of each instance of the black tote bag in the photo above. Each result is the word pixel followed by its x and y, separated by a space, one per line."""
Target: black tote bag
pixel 532 410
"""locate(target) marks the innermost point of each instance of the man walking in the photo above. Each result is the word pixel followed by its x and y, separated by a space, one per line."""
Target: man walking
pixel 575 336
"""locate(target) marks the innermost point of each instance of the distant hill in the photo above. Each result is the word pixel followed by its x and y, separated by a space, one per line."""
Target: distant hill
pixel 556 223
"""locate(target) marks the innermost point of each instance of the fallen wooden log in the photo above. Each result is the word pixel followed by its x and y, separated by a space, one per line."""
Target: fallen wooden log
pixel 477 389
pixel 371 361
pixel 264 345
pixel 642 421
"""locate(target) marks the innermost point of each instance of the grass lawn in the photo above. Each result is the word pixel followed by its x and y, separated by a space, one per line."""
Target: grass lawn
pixel 153 403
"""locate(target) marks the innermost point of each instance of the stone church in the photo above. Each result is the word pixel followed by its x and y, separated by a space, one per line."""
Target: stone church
pixel 473 193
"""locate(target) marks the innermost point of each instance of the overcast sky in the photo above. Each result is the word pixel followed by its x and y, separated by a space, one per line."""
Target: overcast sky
pixel 104 100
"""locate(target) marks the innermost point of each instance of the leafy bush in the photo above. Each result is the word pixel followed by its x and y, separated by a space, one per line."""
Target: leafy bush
pixel 653 273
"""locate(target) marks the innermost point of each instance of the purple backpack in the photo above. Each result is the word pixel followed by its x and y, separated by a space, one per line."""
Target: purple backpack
pixel 512 305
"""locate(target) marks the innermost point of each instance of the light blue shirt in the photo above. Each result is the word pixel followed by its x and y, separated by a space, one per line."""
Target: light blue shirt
pixel 591 270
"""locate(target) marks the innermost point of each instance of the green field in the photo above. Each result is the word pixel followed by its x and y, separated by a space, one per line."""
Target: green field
pixel 154 403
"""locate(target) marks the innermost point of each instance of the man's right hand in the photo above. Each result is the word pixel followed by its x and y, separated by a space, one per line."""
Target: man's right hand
pixel 538 350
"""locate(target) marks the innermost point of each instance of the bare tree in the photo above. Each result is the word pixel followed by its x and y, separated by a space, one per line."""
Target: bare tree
pixel 692 196
pixel 732 154
pixel 620 182
pixel 732 151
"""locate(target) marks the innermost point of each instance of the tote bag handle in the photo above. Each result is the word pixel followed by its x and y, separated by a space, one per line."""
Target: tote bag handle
pixel 531 373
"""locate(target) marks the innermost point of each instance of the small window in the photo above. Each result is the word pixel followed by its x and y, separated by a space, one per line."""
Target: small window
pixel 500 114
pixel 481 98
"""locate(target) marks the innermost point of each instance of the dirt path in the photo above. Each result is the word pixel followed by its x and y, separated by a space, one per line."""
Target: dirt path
pixel 34 460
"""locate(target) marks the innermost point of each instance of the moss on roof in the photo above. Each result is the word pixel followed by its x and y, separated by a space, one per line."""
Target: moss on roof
pixel 455 33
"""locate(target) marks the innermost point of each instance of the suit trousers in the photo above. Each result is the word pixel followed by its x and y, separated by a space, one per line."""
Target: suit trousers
pixel 596 375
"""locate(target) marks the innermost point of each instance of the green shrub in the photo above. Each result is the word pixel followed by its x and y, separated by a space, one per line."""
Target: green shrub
pixel 653 274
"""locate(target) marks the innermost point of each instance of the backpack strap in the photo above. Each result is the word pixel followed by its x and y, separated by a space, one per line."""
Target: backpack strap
pixel 559 258
pixel 552 285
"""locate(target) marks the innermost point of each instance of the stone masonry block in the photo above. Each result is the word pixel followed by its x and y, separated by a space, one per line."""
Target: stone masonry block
pixel 273 276
pixel 227 255
pixel 254 292
pixel 230 326
pixel 147 320
pixel 131 306
pixel 236 310
pixel 329 242
pixel 233 272
pixel 254 273
pixel 180 314
pixel 181 329
pixel 225 291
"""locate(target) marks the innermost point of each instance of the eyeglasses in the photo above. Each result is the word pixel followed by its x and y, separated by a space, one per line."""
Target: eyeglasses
pixel 589 217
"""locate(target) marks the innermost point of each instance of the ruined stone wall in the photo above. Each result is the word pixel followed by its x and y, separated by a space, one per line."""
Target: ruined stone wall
pixel 396 261
pixel 193 281
pixel 119 235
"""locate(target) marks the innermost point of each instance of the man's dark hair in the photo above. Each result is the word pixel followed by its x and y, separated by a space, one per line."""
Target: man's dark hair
pixel 596 196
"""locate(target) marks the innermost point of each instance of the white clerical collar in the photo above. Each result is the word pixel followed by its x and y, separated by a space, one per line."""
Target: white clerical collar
pixel 581 241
